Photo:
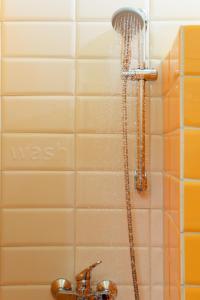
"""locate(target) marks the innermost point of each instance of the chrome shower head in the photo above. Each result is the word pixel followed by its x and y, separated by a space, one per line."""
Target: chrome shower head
pixel 126 13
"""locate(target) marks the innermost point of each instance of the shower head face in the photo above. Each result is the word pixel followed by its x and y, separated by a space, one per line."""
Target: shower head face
pixel 126 13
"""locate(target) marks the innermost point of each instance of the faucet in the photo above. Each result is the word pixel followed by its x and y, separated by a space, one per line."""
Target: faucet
pixel 61 288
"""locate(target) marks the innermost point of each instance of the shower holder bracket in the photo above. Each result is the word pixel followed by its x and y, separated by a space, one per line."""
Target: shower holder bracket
pixel 141 74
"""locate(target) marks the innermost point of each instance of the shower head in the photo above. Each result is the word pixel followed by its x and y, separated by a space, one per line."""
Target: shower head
pixel 125 13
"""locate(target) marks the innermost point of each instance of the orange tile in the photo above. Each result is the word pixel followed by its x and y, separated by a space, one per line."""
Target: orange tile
pixel 192 101
pixel 174 61
pixel 192 259
pixel 192 293
pixel 192 50
pixel 165 74
pixel 191 153
pixel 191 206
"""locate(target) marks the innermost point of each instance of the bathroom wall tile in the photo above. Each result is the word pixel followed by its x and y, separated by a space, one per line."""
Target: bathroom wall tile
pixel 38 151
pixel 172 153
pixel 171 10
pixel 191 50
pixel 191 206
pixel 127 292
pixel 97 40
pixel 101 9
pixel 156 117
pixel 191 153
pixel 41 265
pixel 37 189
pixel 33 10
pixel 156 190
pixel 23 292
pixel 156 227
pixel 98 77
pixel 156 266
pixel 106 190
pixel 102 114
pixel 192 293
pixel 175 58
pixel 119 270
pixel 156 153
pixel 157 292
pixel 172 107
pixel 108 227
pixel 191 101
pixel 192 261
pixel 48 114
pixel 165 75
pixel 100 152
pixel 159 47
pixel 38 76
pixel 37 229
pixel 48 39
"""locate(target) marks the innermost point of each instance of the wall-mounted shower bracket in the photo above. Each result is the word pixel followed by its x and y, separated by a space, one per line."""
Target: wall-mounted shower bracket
pixel 141 74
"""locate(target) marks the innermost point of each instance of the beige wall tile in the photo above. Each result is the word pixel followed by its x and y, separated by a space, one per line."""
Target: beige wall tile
pixel 100 152
pixel 119 270
pixel 97 40
pixel 98 77
pixel 102 114
pixel 109 227
pixel 156 227
pixel 37 189
pixel 23 292
pixel 37 265
pixel 38 151
pixel 35 10
pixel 127 292
pixel 102 9
pixel 156 153
pixel 49 39
pixel 48 114
pixel 37 227
pixel 156 116
pixel 156 86
pixel 156 190
pixel 156 266
pixel 38 76
pixel 171 10
pixel 106 190
pixel 157 292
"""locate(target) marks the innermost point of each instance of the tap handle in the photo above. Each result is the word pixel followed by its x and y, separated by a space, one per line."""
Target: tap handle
pixel 86 273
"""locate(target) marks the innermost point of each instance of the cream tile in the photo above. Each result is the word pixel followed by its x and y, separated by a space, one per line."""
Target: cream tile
pixel 106 190
pixel 171 10
pixel 37 265
pixel 98 77
pixel 100 152
pixel 126 292
pixel 156 153
pixel 38 151
pixel 101 9
pixel 36 39
pixel 37 189
pixel 109 227
pixel 48 114
pixel 97 40
pixel 34 10
pixel 157 292
pixel 156 190
pixel 38 76
pixel 156 267
pixel 159 46
pixel 119 270
pixel 102 114
pixel 156 227
pixel 37 227
pixel 156 117
pixel 23 292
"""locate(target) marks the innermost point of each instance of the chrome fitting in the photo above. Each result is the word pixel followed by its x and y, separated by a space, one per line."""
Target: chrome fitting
pixel 61 288
pixel 141 74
